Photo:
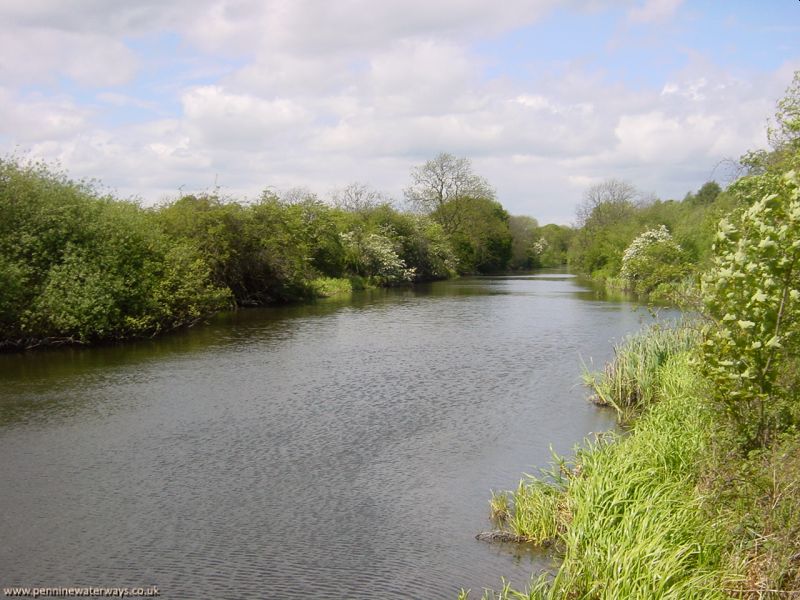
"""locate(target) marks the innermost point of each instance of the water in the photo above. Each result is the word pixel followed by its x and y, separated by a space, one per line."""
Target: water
pixel 344 449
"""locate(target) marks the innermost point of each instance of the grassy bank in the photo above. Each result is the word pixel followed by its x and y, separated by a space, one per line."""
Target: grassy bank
pixel 668 509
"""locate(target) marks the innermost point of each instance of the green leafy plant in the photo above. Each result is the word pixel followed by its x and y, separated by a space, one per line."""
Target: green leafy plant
pixel 752 293
pixel 654 258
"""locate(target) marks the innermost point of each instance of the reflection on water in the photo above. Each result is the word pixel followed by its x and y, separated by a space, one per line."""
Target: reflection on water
pixel 344 448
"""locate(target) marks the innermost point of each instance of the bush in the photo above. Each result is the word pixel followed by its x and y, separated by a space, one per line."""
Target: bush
pixel 651 260
pixel 79 265
pixel 752 293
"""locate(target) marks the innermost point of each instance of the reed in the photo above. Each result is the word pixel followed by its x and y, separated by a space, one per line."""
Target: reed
pixel 630 382
pixel 627 512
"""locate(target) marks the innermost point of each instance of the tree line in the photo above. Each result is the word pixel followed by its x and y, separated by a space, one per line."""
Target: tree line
pixel 78 265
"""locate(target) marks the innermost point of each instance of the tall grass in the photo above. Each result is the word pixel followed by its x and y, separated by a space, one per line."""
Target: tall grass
pixel 626 511
pixel 325 287
pixel 630 382
pixel 638 529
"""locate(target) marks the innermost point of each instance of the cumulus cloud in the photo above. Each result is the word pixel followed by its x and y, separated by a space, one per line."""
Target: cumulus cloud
pixel 323 94
pixel 34 118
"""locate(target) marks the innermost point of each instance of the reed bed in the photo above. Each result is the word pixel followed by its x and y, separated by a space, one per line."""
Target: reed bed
pixel 630 382
pixel 626 511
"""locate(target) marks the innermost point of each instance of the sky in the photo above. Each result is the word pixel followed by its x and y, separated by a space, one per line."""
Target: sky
pixel 161 97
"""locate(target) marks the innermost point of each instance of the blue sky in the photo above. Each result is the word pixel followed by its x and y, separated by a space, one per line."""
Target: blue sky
pixel 546 97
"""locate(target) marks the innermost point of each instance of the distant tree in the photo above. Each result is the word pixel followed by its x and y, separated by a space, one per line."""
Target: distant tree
pixel 524 233
pixel 481 238
pixel 705 195
pixel 295 195
pixel 652 259
pixel 607 225
pixel 550 250
pixel 358 197
pixel 442 181
pixel 613 194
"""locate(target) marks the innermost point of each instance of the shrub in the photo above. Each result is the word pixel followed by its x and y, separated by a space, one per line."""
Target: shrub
pixel 752 293
pixel 653 259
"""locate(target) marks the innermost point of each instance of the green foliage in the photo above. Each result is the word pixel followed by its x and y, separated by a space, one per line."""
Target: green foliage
pixel 753 293
pixel 375 255
pixel 630 381
pixel 606 231
pixel 653 259
pixel 550 250
pixel 265 252
pixel 419 241
pixel 82 266
pixel 757 501
pixel 479 235
pixel 524 236
pixel 705 195
pixel 325 287
pixel 80 298
pixel 609 227
pixel 13 284
pixel 538 511
pixel 626 509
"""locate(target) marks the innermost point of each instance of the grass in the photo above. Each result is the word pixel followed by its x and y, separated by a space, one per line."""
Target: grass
pixel 627 511
pixel 670 509
pixel 757 499
pixel 638 529
pixel 325 287
pixel 629 383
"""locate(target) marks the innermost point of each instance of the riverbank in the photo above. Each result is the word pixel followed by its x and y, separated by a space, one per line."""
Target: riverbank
pixel 669 509
pixel 79 266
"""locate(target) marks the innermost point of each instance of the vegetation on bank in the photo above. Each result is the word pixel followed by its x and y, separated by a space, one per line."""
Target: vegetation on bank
pixel 77 265
pixel 700 498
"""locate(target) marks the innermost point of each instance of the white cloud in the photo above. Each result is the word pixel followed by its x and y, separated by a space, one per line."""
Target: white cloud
pixel 322 94
pixel 34 118
pixel 227 120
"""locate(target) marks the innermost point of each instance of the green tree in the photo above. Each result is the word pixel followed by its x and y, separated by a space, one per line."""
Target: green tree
pixel 524 234
pixel 550 250
pixel 705 195
pixel 481 239
pixel 440 184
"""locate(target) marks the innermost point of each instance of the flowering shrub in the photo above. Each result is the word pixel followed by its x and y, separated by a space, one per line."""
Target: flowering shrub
pixel 752 292
pixel 374 255
pixel 652 259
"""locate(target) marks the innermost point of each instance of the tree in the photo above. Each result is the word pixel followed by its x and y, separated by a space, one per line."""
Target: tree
pixel 481 238
pixel 785 134
pixel 442 181
pixel 607 225
pixel 550 250
pixel 524 234
pixel 613 194
pixel 705 195
pixel 751 293
pixel 358 197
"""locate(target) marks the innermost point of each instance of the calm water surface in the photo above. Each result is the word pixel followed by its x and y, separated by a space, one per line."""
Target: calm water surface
pixel 344 449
